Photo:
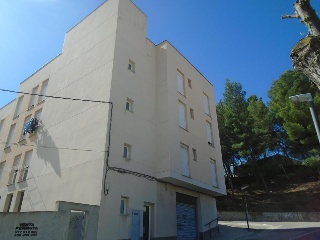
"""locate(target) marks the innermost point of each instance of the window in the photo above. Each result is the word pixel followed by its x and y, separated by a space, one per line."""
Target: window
pixel 19 200
pixel 23 136
pixel 127 151
pixel 26 165
pixel 1 124
pixel 194 153
pixel 129 105
pixel 131 66
pixel 124 206
pixel 2 165
pixel 8 202
pixel 18 107
pixel 182 115
pixel 214 173
pixel 189 83
pixel 10 136
pixel 33 97
pixel 180 82
pixel 206 104
pixel 43 91
pixel 15 170
pixel 191 113
pixel 184 160
pixel 209 133
pixel 38 115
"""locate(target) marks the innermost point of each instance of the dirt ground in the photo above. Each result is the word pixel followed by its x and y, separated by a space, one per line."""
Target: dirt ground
pixel 297 197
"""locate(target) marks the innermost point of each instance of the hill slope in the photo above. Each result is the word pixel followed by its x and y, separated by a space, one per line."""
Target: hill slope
pixel 296 197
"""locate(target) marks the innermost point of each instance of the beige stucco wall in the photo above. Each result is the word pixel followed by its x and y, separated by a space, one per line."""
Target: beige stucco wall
pixel 170 135
pixel 153 131
pixel 69 149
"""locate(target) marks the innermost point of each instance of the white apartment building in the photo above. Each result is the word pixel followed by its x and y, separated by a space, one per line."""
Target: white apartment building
pixel 145 150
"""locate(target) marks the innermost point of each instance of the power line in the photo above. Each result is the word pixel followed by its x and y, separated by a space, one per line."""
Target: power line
pixel 50 96
pixel 61 148
pixel 116 169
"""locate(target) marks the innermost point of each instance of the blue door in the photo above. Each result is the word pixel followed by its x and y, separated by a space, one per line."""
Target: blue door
pixel 135 225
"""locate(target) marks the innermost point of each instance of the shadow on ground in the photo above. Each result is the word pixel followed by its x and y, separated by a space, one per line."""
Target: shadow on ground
pixel 267 231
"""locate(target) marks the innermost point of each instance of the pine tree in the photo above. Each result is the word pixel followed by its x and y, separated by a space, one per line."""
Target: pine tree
pixel 295 117
pixel 231 112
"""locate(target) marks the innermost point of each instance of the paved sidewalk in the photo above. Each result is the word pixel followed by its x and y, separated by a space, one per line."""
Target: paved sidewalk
pixel 233 230
pixel 237 230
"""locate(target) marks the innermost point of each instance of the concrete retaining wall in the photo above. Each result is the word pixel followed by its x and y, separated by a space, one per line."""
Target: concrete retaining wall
pixel 271 216
pixel 48 225
pixel 34 225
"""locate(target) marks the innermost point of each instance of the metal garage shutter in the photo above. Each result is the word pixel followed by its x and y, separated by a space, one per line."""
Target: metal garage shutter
pixel 186 221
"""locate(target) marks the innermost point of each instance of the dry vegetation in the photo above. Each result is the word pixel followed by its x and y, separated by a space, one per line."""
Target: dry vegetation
pixel 296 197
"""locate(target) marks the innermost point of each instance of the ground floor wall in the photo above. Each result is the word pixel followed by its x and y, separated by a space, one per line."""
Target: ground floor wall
pixel 68 222
pixel 40 193
pixel 131 200
pixel 271 216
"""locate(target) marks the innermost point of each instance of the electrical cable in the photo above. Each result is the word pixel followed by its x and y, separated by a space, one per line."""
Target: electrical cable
pixel 116 169
pixel 71 149
pixel 49 96
pixel 105 191
pixel 82 100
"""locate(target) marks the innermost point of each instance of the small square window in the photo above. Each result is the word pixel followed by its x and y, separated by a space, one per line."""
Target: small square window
pixel 191 113
pixel 131 66
pixel 124 206
pixel 129 105
pixel 194 154
pixel 127 151
pixel 189 83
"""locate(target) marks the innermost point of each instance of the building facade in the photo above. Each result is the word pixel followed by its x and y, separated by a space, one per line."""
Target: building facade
pixel 145 149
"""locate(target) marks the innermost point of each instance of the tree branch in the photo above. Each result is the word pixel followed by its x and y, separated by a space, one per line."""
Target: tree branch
pixel 290 16
pixel 308 15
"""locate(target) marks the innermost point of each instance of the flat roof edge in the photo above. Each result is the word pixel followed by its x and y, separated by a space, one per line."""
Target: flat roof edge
pixel 41 68
pixel 166 41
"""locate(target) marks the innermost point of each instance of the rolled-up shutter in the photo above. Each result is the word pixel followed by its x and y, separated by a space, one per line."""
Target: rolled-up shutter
pixel 186 218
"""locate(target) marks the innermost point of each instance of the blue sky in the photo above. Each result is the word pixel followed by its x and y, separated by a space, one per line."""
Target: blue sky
pixel 243 40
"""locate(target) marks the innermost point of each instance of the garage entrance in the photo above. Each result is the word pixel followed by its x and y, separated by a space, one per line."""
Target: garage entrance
pixel 186 210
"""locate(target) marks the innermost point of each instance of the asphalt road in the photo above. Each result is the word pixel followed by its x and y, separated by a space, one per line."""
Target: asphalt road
pixel 237 230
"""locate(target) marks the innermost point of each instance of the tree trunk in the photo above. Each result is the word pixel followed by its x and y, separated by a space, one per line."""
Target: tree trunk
pixel 262 180
pixel 285 172
pixel 256 166
pixel 307 14
pixel 305 54
pixel 227 169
